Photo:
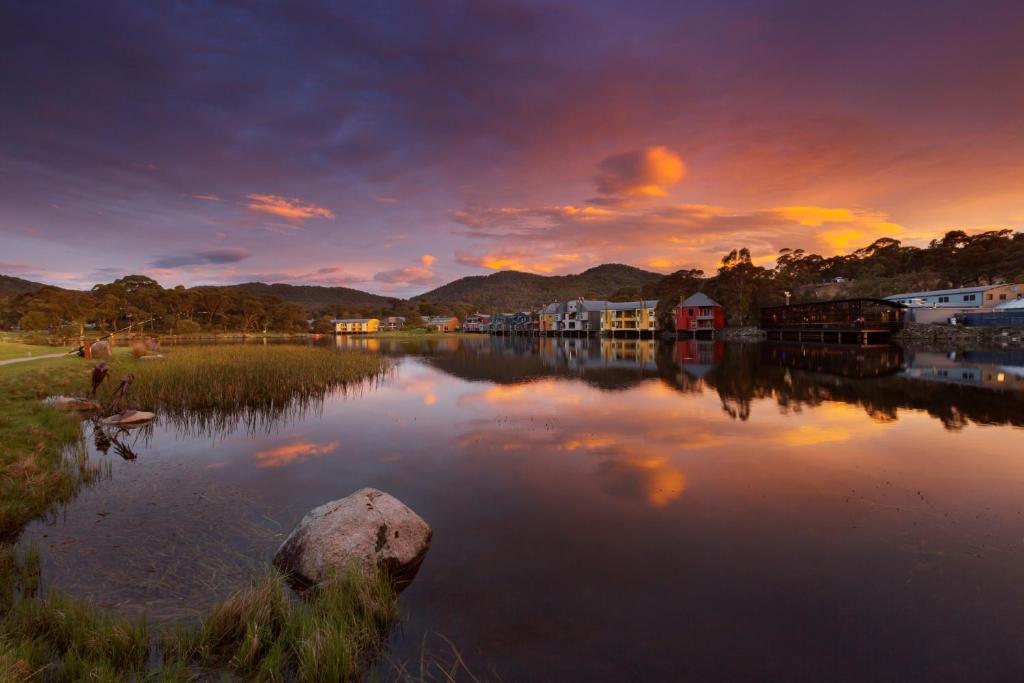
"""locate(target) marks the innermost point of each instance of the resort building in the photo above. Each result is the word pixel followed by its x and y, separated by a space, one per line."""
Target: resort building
pixel 699 313
pixel 356 325
pixel 631 318
pixel 853 320
pixel 961 297
pixel 392 323
pixel 443 323
pixel 478 322
pixel 580 317
pixel 547 324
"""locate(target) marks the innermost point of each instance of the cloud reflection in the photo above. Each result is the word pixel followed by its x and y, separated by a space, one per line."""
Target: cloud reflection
pixel 298 451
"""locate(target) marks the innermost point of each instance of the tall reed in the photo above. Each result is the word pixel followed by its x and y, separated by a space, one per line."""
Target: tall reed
pixel 211 388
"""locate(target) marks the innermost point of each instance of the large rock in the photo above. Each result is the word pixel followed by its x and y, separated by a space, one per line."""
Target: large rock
pixel 100 349
pixel 367 529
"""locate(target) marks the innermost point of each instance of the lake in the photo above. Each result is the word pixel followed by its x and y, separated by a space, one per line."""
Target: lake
pixel 616 510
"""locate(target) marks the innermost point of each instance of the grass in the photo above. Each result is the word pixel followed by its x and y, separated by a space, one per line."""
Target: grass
pixel 11 349
pixel 42 458
pixel 211 387
pixel 261 633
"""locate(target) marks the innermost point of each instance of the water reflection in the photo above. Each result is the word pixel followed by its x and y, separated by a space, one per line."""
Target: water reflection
pixel 747 511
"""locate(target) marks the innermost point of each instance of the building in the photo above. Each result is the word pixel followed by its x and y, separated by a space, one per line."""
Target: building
pixel 443 323
pixel 630 318
pixel 392 323
pixel 699 313
pixel 860 320
pixel 356 325
pixel 547 324
pixel 961 297
pixel 501 323
pixel 580 317
pixel 478 322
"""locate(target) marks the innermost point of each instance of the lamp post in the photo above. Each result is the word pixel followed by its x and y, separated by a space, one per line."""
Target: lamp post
pixel 788 295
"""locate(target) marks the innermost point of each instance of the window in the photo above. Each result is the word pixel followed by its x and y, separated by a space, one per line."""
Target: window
pixel 1002 297
pixel 943 299
pixel 970 297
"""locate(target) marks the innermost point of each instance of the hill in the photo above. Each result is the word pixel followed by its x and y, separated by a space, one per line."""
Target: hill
pixel 511 289
pixel 11 286
pixel 313 296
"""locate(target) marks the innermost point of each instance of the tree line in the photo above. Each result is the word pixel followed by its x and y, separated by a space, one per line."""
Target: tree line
pixel 882 268
pixel 144 304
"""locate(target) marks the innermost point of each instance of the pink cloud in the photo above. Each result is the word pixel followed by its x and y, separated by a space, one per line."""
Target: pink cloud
pixel 292 209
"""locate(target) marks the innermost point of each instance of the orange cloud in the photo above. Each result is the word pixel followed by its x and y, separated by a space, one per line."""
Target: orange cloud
pixel 669 236
pixel 292 209
pixel 646 172
pixel 520 260
pixel 207 197
pixel 299 450
pixel 427 260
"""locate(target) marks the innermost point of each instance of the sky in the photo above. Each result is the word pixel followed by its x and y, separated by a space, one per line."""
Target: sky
pixel 395 146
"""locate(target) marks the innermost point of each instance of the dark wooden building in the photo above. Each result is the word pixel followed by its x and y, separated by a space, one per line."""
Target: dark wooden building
pixel 844 321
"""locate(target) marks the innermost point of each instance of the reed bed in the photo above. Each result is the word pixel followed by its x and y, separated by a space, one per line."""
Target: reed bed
pixel 213 388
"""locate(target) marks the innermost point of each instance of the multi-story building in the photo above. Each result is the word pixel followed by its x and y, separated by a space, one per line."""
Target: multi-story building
pixel 630 318
pixel 699 313
pixel 443 323
pixel 477 322
pixel 356 325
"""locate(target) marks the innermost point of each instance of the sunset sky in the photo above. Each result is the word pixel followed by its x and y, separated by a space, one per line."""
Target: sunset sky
pixel 393 147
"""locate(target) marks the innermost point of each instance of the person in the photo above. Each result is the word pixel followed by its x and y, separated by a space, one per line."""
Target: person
pixel 99 373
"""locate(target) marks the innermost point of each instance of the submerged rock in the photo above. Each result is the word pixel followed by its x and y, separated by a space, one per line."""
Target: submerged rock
pixel 72 403
pixel 366 529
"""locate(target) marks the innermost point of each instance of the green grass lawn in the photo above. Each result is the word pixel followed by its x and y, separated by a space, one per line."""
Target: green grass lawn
pixel 12 349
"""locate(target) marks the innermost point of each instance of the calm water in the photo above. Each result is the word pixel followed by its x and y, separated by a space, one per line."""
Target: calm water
pixel 620 511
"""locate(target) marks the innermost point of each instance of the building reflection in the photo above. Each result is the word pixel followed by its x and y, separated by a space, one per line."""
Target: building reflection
pixel 985 387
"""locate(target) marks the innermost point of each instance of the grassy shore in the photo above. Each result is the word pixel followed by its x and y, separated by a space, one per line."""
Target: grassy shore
pixel 263 632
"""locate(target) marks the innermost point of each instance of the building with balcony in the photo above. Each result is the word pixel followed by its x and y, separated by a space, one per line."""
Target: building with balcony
pixel 629 319
pixel 698 314
pixel 356 325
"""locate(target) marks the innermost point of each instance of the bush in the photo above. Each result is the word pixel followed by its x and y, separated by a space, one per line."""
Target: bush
pixel 188 327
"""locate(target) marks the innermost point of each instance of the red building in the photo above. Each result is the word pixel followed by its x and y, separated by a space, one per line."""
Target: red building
pixel 699 313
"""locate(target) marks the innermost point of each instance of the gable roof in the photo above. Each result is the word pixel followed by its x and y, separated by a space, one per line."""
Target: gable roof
pixel 700 299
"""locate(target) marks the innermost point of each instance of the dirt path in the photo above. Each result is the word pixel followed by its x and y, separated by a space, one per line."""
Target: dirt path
pixel 12 361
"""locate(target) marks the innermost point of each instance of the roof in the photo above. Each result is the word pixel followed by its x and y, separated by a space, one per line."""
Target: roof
pixel 942 292
pixel 550 308
pixel 630 305
pixel 435 319
pixel 894 304
pixel 353 320
pixel 700 299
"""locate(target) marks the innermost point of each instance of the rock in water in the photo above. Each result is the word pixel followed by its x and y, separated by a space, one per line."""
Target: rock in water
pixel 367 529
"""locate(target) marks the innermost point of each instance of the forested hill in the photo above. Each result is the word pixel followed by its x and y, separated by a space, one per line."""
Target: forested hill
pixel 11 286
pixel 314 297
pixel 510 289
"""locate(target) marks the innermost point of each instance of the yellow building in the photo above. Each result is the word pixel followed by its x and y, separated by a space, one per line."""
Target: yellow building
pixel 356 325
pixel 629 319
pixel 1000 294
